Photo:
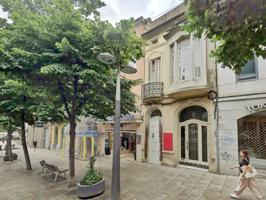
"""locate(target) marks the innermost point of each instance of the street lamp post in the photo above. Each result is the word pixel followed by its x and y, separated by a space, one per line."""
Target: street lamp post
pixel 109 59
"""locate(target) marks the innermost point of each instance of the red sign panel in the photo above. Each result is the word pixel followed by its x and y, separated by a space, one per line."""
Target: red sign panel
pixel 168 141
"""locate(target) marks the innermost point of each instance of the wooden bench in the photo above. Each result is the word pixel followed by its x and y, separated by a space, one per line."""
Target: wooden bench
pixel 48 169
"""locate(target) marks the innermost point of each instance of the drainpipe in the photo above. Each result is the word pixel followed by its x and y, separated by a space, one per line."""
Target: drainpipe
pixel 217 116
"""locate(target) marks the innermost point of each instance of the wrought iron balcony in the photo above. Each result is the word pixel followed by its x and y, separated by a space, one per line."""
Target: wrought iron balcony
pixel 153 89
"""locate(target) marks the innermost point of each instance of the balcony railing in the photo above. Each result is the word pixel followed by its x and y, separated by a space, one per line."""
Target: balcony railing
pixel 153 89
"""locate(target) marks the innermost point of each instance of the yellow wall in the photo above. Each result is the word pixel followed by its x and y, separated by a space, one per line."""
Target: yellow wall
pixel 52 134
pixel 60 135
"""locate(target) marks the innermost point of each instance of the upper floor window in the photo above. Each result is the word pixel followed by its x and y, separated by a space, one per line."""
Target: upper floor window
pixel 172 56
pixel 186 59
pixel 154 70
pixel 249 71
pixel 184 69
pixel 197 54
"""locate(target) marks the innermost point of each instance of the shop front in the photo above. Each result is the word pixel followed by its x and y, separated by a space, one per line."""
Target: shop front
pixel 242 126
pixel 129 137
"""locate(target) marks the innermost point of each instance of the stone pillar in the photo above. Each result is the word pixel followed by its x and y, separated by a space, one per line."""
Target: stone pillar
pixel 84 147
pixel 59 138
pixel 52 136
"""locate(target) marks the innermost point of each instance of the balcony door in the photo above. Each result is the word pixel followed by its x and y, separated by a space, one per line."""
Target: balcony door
pixel 154 70
pixel 194 136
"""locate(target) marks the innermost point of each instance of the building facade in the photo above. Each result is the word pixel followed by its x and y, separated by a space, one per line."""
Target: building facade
pixel 242 115
pixel 88 142
pixel 49 136
pixel 178 114
pixel 130 124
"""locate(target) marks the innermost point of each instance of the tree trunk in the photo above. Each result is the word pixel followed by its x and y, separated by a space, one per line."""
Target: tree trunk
pixel 23 142
pixel 9 146
pixel 72 134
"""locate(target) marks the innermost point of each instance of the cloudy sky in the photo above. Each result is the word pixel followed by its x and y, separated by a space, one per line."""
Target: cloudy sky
pixel 123 9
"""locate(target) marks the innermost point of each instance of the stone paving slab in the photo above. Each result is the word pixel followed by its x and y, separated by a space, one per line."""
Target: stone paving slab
pixel 139 181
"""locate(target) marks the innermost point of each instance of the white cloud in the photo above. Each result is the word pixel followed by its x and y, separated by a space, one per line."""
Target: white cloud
pixel 156 7
pixel 123 9
pixel 116 10
pixel 109 13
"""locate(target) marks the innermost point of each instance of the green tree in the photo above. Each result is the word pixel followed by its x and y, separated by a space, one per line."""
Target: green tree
pixel 21 104
pixel 238 27
pixel 56 43
pixel 8 125
pixel 16 103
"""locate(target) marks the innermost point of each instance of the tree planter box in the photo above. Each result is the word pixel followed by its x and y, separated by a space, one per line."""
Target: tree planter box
pixel 87 191
pixel 15 157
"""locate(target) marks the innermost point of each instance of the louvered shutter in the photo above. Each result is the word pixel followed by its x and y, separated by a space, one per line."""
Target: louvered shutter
pixel 157 70
pixel 197 57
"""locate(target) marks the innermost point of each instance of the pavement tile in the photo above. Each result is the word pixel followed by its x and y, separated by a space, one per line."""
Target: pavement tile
pixel 139 181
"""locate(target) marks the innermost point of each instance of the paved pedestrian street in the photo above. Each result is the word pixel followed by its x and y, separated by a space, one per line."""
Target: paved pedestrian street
pixel 139 181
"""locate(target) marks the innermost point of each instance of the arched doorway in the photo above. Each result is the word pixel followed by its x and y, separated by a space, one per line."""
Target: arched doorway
pixel 194 136
pixel 252 136
pixel 154 140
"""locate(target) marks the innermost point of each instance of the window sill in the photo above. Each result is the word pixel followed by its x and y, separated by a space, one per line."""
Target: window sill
pixel 242 80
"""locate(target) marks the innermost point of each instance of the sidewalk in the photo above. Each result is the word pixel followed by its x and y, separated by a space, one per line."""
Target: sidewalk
pixel 139 181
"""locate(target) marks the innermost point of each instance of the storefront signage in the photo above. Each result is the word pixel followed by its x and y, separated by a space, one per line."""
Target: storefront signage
pixel 91 133
pixel 168 141
pixel 256 107
pixel 39 124
pixel 88 133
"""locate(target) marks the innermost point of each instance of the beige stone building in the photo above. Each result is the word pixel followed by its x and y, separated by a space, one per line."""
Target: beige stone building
pixel 55 137
pixel 178 114
pixel 130 124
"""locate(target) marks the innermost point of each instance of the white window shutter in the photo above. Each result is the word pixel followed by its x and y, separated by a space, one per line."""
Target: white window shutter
pixel 197 58
pixel 175 62
pixel 172 64
pixel 157 71
pixel 150 71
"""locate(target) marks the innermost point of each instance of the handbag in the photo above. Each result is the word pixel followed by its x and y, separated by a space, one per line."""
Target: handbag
pixel 251 171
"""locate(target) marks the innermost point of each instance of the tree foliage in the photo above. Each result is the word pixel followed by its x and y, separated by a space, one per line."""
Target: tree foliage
pixel 8 124
pixel 238 27
pixel 54 44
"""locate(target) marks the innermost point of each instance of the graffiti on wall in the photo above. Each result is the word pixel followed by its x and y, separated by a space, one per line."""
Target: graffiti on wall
pixel 228 157
pixel 228 139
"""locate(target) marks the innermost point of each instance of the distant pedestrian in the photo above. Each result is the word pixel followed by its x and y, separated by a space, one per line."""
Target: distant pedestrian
pixel 126 143
pixel 34 145
pixel 244 180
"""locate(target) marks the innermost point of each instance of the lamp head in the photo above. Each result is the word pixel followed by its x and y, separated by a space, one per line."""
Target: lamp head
pixel 130 68
pixel 106 58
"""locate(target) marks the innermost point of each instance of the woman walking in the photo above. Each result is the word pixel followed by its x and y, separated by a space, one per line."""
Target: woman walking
pixel 244 182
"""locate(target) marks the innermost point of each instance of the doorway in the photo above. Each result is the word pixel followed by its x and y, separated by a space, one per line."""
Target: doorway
pixel 128 145
pixel 194 137
pixel 154 140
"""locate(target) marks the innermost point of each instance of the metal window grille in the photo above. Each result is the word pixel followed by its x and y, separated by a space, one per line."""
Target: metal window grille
pixel 252 136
